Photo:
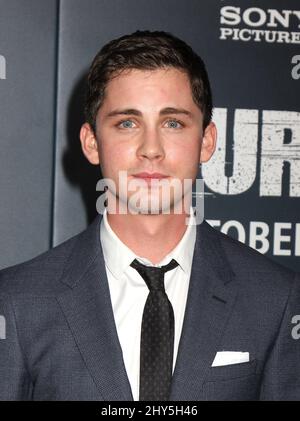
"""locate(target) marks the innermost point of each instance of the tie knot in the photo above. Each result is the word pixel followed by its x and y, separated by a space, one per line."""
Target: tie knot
pixel 153 276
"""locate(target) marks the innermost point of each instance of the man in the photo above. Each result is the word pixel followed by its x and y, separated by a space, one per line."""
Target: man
pixel 149 305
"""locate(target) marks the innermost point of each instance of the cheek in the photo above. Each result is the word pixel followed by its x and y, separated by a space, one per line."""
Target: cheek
pixel 184 158
pixel 115 157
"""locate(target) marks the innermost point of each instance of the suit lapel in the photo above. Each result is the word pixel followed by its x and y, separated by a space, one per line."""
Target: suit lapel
pixel 209 303
pixel 88 310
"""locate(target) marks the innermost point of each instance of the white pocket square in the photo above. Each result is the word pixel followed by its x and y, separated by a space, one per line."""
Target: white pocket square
pixel 230 357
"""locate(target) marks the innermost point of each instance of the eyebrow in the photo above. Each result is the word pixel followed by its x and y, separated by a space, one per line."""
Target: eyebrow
pixel 164 111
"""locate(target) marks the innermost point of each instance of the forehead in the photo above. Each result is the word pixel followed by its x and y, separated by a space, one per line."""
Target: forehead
pixel 149 89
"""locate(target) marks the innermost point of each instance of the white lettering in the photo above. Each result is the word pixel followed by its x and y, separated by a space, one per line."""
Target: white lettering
pixel 260 234
pixel 230 15
pixel 242 35
pixel 279 239
pixel 225 32
pixel 283 36
pixel 295 37
pixel 245 135
pixel 297 14
pixel 254 10
pixel 259 237
pixel 238 226
pixel 258 34
pixel 283 18
pixel 276 126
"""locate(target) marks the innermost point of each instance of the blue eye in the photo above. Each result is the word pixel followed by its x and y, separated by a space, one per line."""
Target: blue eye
pixel 126 124
pixel 174 124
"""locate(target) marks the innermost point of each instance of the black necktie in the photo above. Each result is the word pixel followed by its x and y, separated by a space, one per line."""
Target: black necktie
pixel 157 335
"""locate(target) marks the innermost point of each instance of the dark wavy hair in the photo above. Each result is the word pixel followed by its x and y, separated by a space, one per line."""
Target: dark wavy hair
pixel 146 50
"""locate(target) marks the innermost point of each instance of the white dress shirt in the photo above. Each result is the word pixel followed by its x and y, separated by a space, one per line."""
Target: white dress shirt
pixel 129 292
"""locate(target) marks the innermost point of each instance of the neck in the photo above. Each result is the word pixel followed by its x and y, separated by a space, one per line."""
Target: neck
pixel 149 236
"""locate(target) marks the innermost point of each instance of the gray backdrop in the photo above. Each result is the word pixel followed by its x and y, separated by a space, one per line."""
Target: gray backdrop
pixel 252 54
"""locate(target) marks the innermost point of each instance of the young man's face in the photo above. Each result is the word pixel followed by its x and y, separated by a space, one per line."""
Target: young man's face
pixel 149 123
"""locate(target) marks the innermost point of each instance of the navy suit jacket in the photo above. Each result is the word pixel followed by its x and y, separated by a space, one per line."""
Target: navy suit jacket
pixel 61 341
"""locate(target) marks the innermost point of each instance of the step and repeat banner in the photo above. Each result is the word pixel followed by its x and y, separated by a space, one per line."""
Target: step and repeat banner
pixel 27 111
pixel 252 53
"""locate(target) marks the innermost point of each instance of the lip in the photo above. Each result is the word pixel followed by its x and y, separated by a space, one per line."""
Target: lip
pixel 147 175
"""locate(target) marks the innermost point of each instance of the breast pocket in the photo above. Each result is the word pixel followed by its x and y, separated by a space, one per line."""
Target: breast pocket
pixel 232 382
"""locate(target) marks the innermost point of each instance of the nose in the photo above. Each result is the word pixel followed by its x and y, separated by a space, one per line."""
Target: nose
pixel 151 146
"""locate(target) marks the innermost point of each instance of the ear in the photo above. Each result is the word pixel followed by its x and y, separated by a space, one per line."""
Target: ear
pixel 89 144
pixel 209 141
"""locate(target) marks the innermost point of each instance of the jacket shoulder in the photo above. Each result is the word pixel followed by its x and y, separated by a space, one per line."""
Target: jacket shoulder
pixel 38 275
pixel 249 264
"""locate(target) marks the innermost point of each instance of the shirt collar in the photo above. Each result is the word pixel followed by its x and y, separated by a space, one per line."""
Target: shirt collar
pixel 118 256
